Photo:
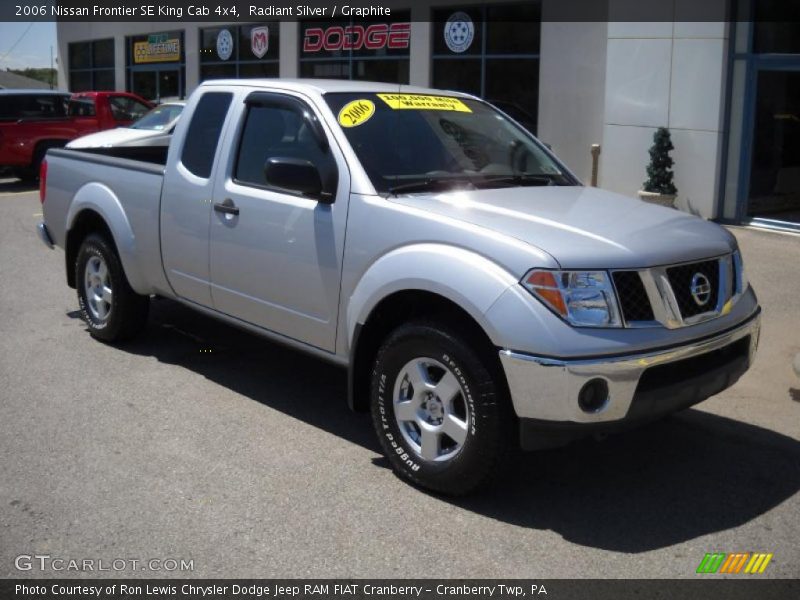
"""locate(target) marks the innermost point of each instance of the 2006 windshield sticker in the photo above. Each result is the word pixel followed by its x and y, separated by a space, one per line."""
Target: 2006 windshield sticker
pixel 356 113
pixel 422 102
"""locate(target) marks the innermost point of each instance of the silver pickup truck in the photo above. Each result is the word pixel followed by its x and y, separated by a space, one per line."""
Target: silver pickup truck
pixel 480 297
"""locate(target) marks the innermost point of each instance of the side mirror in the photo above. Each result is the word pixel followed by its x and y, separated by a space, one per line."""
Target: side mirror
pixel 296 175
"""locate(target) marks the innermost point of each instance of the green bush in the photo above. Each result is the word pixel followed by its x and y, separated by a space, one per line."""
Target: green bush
pixel 659 171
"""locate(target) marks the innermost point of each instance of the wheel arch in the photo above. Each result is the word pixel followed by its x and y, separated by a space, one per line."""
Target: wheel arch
pixel 420 280
pixel 391 312
pixel 95 209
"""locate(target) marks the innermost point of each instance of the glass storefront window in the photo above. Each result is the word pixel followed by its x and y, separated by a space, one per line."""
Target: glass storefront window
pixel 155 65
pixel 80 55
pixel 103 54
pixel 80 81
pixel 777 27
pixel 762 178
pixel 462 75
pixel 91 65
pixel 493 52
pixel 351 49
pixel 239 51
pixel 513 29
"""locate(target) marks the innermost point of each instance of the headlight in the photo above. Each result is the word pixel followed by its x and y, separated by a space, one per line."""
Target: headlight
pixel 741 275
pixel 582 298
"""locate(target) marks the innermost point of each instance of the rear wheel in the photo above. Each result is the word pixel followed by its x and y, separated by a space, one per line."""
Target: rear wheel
pixel 111 309
pixel 31 174
pixel 441 416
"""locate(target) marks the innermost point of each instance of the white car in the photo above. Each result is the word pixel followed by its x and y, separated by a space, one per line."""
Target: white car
pixel 153 129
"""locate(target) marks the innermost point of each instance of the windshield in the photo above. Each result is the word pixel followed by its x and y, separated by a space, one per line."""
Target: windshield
pixel 160 118
pixel 410 143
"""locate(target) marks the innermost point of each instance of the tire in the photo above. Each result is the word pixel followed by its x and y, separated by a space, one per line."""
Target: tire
pixel 31 174
pixel 28 175
pixel 113 312
pixel 459 395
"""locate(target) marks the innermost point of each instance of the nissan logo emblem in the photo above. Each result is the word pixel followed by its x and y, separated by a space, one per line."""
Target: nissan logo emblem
pixel 700 289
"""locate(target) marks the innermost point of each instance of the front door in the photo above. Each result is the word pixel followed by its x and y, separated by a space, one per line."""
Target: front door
pixel 276 254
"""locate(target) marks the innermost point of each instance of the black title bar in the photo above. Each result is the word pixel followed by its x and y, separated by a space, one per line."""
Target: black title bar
pixel 704 587
pixel 233 11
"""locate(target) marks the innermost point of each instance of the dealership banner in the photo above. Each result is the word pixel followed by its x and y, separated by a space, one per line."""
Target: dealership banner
pixel 401 589
pixel 233 11
pixel 157 48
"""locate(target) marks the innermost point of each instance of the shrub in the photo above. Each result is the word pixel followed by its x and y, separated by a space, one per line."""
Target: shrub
pixel 659 171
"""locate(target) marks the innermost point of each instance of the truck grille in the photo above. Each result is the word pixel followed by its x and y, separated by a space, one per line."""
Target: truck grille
pixel 663 295
pixel 633 300
pixel 680 278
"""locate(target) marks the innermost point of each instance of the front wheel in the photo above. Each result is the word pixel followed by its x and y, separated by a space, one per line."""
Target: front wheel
pixel 441 415
pixel 111 309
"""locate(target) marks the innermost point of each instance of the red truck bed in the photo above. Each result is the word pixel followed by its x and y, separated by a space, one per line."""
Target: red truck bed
pixel 31 121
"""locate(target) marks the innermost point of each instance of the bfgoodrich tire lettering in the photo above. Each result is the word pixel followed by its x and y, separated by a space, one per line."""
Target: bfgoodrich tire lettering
pixel 111 309
pixel 407 414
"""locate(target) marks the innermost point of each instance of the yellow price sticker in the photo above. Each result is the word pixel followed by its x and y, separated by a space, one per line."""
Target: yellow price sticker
pixel 423 102
pixel 356 113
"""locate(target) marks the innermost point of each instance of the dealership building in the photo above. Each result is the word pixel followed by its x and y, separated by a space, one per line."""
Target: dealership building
pixel 728 91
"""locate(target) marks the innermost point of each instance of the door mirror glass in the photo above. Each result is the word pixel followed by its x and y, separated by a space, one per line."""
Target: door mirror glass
pixel 296 175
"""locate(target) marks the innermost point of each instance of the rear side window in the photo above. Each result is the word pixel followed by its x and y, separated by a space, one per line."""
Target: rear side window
pixel 32 106
pixel 202 138
pixel 81 107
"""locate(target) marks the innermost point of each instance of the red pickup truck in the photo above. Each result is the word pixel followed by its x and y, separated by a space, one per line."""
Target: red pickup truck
pixel 31 121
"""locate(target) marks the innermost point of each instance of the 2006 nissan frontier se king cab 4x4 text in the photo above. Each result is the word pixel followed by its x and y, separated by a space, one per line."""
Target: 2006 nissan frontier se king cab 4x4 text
pixel 478 294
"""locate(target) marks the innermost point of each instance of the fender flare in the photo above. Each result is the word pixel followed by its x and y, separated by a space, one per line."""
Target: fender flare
pixel 100 199
pixel 466 278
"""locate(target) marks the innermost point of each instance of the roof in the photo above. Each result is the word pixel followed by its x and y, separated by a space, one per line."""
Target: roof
pixel 325 86
pixel 38 92
pixel 12 80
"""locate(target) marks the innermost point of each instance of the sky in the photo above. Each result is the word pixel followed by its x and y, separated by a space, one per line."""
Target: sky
pixel 33 50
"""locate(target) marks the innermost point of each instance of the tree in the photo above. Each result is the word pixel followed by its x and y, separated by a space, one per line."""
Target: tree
pixel 659 171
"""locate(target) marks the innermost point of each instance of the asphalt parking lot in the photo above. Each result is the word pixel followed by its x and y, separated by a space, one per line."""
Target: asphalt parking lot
pixel 203 443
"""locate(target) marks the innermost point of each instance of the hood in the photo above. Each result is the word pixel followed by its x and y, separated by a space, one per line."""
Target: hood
pixel 113 137
pixel 584 227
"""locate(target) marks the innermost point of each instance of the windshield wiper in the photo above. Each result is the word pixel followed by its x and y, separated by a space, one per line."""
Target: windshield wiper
pixel 430 184
pixel 522 179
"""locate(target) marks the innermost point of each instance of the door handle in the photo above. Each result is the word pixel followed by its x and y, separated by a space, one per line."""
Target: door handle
pixel 226 206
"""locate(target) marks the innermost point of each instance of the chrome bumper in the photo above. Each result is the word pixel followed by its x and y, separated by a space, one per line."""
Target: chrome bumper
pixel 44 235
pixel 547 389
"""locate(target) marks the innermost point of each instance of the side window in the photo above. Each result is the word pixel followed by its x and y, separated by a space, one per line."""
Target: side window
pixel 272 132
pixel 50 105
pixel 30 106
pixel 202 137
pixel 81 107
pixel 126 109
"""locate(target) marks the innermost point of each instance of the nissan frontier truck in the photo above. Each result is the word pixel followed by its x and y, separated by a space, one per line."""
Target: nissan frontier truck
pixel 478 295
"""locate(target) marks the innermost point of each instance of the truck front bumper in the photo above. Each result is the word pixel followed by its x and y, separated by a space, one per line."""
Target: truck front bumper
pixel 633 388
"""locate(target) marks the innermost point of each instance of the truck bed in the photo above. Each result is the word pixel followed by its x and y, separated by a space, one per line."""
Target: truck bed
pixel 156 155
pixel 124 191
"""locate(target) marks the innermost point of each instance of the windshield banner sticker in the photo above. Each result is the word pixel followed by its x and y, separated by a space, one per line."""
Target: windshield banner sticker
pixel 356 113
pixel 421 102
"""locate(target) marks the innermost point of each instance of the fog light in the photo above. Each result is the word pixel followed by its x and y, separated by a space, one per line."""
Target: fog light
pixel 593 396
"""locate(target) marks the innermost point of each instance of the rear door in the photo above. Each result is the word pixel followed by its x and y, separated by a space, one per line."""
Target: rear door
pixel 83 113
pixel 187 193
pixel 276 254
